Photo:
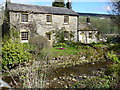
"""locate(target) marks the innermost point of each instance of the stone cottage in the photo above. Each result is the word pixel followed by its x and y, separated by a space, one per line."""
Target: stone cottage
pixel 44 20
pixel 87 33
pixel 41 20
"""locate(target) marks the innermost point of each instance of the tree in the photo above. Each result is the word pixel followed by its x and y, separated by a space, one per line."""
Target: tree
pixel 58 3
pixel 6 22
pixel 115 11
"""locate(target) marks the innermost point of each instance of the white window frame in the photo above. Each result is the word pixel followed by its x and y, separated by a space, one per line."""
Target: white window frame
pixel 24 41
pixel 27 17
pixel 67 20
pixel 50 22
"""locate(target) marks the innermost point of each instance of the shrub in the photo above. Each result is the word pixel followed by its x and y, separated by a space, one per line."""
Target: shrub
pixel 114 72
pixel 113 69
pixel 60 45
pixel 32 76
pixel 13 54
pixel 62 37
pixel 113 57
pixel 95 82
pixel 38 43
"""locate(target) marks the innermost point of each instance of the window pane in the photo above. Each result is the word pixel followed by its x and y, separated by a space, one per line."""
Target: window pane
pixel 49 18
pixel 24 17
pixel 90 35
pixel 24 35
pixel 66 19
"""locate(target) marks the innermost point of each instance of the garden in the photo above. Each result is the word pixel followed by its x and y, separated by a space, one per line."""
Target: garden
pixel 67 64
pixel 50 65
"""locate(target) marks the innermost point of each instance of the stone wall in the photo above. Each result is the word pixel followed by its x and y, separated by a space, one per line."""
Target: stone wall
pixel 84 36
pixel 37 23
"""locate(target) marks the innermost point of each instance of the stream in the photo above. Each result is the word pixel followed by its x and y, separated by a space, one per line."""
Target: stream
pixel 54 76
pixel 79 69
pixel 65 76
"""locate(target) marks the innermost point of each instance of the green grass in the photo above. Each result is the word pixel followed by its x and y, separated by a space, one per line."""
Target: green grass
pixel 67 51
pixel 100 45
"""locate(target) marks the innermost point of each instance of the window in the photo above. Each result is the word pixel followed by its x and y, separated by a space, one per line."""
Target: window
pixel 24 35
pixel 66 19
pixel 48 36
pixel 90 35
pixel 49 18
pixel 24 17
pixel 66 35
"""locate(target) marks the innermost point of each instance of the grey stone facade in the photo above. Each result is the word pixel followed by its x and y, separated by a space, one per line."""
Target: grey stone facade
pixel 37 23
pixel 41 26
pixel 37 20
pixel 87 33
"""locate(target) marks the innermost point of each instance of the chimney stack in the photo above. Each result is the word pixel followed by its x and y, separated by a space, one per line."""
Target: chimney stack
pixel 8 1
pixel 88 19
pixel 68 4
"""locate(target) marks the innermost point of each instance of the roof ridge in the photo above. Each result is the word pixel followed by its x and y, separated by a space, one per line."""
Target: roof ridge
pixel 40 5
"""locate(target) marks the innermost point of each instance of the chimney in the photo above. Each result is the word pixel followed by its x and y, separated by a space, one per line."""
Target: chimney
pixel 88 19
pixel 8 1
pixel 68 4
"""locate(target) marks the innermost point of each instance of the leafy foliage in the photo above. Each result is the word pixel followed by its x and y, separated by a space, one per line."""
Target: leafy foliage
pixel 38 43
pixel 113 57
pixel 58 3
pixel 14 33
pixel 113 69
pixel 60 35
pixel 114 72
pixel 115 11
pixel 95 82
pixel 13 54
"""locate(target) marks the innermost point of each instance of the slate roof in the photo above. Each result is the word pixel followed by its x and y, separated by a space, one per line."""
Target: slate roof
pixel 40 9
pixel 86 27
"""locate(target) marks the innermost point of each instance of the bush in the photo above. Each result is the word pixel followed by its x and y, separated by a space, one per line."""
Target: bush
pixel 60 35
pixel 60 45
pixel 13 54
pixel 95 82
pixel 115 68
pixel 38 43
pixel 113 57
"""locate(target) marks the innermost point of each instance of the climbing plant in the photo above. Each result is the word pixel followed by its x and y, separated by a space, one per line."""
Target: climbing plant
pixel 61 36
